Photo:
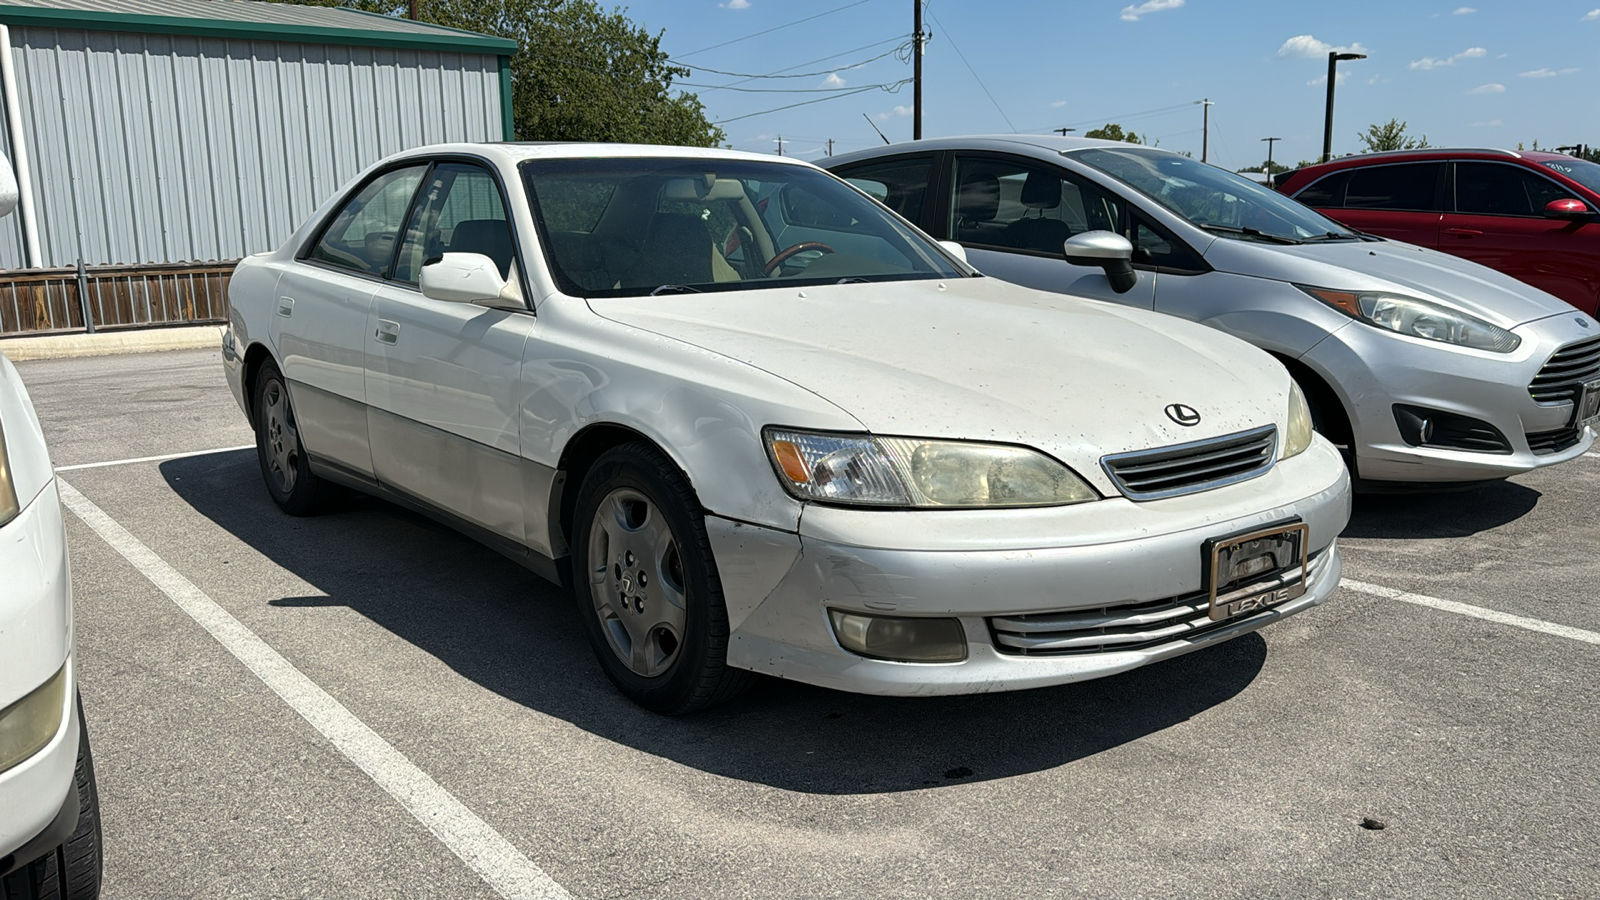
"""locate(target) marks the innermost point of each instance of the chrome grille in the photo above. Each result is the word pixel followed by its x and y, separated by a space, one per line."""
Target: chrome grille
pixel 1196 466
pixel 1109 629
pixel 1562 378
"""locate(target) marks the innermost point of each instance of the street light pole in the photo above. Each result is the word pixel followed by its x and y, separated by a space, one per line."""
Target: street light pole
pixel 1268 167
pixel 1334 58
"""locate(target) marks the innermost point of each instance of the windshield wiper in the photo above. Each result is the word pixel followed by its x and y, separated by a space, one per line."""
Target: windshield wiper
pixel 676 289
pixel 1334 236
pixel 1251 233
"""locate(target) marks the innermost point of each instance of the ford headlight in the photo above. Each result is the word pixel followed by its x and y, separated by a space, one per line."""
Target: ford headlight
pixel 1418 318
pixel 863 470
pixel 9 507
pixel 1298 435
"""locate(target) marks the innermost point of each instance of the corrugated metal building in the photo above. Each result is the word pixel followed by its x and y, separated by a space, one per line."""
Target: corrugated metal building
pixel 150 132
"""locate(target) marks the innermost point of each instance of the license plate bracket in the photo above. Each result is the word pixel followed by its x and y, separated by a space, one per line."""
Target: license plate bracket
pixel 1587 410
pixel 1257 570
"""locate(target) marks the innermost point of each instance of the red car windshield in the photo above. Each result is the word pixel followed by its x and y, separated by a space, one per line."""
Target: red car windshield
pixel 1580 170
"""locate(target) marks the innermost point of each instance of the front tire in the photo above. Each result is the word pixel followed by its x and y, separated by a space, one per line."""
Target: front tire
pixel 285 466
pixel 647 586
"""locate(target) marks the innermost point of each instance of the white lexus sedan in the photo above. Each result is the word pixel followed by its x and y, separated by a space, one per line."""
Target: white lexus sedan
pixel 848 459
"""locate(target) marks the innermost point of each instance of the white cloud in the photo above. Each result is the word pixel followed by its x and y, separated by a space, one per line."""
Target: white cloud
pixel 1465 11
pixel 1428 62
pixel 1058 104
pixel 1570 71
pixel 1492 123
pixel 897 111
pixel 1304 45
pixel 1590 16
pixel 1132 13
pixel 735 4
pixel 1490 88
pixel 1341 79
pixel 1546 73
pixel 833 80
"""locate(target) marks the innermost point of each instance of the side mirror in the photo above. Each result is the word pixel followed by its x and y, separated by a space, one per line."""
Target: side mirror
pixel 955 249
pixel 1569 208
pixel 465 278
pixel 1111 252
pixel 8 188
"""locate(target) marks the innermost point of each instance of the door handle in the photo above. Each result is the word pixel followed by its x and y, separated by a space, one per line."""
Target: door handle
pixel 1463 232
pixel 388 332
pixel 286 306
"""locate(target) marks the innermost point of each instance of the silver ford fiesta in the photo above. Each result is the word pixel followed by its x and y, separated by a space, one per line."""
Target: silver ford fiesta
pixel 1422 367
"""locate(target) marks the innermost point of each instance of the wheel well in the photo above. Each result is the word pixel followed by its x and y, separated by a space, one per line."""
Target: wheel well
pixel 253 358
pixel 1327 410
pixel 576 459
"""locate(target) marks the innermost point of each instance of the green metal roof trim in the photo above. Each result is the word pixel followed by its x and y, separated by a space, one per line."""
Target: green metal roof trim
pixel 249 20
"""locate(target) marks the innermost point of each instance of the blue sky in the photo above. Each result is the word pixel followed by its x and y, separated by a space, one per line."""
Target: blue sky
pixel 1473 73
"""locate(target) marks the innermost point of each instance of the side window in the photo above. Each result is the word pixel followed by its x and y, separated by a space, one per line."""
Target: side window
pixel 1327 193
pixel 1495 189
pixel 361 235
pixel 1153 246
pixel 1402 187
pixel 901 184
pixel 460 211
pixel 1019 206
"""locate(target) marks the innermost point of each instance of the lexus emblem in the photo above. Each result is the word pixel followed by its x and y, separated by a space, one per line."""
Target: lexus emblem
pixel 1183 414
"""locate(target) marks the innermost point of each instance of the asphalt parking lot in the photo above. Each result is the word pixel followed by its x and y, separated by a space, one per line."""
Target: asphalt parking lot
pixel 395 711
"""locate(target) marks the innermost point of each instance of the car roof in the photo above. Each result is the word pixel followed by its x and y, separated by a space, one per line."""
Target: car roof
pixel 1422 154
pixel 516 152
pixel 1048 143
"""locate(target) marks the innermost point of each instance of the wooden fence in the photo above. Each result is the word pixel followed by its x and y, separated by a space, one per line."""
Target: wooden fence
pixel 46 301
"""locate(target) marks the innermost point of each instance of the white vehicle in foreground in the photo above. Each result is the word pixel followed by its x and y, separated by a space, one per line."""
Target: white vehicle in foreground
pixel 49 808
pixel 852 462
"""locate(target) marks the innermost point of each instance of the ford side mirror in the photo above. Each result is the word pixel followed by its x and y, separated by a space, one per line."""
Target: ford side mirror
pixel 8 188
pixel 466 278
pixel 1111 252
pixel 1568 208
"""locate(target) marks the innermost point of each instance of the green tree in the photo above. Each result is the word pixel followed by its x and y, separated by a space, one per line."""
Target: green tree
pixel 582 73
pixel 1272 167
pixel 1113 132
pixel 1390 136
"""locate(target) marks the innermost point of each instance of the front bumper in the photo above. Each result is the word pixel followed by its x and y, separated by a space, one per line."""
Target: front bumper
pixel 32 792
pixel 1374 370
pixel 979 565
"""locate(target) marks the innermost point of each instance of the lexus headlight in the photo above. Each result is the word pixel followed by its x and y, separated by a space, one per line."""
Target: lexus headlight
pixel 1298 435
pixel 862 470
pixel 27 725
pixel 1418 318
pixel 9 507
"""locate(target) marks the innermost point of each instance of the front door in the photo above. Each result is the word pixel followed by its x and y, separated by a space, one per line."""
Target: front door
pixel 442 378
pixel 1498 220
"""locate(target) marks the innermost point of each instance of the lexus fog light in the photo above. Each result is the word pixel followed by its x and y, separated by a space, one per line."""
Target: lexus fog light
pixel 900 639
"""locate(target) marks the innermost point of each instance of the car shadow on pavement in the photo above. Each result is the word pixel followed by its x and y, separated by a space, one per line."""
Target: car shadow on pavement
pixel 520 637
pixel 1440 515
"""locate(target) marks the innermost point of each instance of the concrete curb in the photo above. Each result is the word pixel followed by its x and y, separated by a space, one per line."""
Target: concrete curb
pixel 106 343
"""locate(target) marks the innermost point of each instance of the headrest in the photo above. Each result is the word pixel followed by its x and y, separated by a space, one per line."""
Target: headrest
pixel 1041 190
pixel 979 197
pixel 706 187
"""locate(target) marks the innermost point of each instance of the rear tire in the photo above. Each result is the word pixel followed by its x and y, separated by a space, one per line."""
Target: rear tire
pixel 647 585
pixel 73 870
pixel 285 467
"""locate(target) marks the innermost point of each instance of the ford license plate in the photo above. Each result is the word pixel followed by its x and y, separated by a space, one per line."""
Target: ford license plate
pixel 1589 404
pixel 1248 573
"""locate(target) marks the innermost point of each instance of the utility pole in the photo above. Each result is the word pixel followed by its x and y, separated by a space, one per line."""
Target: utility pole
pixel 413 10
pixel 830 146
pixel 1205 129
pixel 1268 166
pixel 1063 131
pixel 1334 58
pixel 916 70
pixel 780 145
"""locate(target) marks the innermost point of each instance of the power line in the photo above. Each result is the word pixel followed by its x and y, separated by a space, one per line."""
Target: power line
pixel 831 56
pixel 929 10
pixel 775 28
pixel 847 93
pixel 748 77
pixel 885 85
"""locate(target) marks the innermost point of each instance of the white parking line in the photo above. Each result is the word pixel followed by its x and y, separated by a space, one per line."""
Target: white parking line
pixel 143 459
pixel 511 874
pixel 1477 612
pixel 1591 456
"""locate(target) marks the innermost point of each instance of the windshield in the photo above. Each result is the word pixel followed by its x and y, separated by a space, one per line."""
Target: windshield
pixel 1212 198
pixel 636 227
pixel 1580 170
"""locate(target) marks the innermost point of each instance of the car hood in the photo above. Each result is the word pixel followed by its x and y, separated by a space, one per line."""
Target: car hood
pixel 1385 265
pixel 980 359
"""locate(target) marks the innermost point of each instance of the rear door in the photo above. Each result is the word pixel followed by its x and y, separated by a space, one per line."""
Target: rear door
pixel 1498 220
pixel 443 378
pixel 1399 201
pixel 321 316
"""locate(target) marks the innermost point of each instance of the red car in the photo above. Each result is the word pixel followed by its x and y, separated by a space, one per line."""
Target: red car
pixel 1533 215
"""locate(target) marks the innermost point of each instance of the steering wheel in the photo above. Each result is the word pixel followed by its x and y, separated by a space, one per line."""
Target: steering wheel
pixel 792 249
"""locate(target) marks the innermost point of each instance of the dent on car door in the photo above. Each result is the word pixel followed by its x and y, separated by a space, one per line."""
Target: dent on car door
pixel 321 312
pixel 1498 220
pixel 1013 216
pixel 443 376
